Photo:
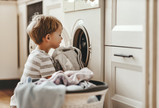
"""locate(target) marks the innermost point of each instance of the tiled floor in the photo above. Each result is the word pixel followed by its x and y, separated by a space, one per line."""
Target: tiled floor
pixel 5 95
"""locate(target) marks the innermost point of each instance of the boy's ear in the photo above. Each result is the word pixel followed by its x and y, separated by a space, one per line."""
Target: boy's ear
pixel 47 37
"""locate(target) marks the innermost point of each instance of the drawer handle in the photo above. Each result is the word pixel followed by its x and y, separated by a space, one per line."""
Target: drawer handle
pixel 120 55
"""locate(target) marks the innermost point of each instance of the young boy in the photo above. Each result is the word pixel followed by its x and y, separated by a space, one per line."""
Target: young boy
pixel 45 31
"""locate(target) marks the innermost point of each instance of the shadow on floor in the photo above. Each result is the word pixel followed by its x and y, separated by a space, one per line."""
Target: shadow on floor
pixel 6 91
pixel 8 84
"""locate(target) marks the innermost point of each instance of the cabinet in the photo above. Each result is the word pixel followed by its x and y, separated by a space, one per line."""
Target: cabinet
pixel 124 53
pixel 9 41
pixel 76 5
pixel 86 4
pixel 68 5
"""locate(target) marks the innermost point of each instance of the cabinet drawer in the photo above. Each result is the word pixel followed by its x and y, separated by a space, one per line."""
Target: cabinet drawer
pixel 127 56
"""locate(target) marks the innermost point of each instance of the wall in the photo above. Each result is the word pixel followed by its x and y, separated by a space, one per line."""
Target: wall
pixel 9 41
pixel 22 35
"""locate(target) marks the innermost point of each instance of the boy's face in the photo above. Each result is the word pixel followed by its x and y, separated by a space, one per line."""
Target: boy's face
pixel 55 38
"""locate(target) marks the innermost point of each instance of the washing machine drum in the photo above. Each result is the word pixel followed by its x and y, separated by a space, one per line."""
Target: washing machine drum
pixel 81 41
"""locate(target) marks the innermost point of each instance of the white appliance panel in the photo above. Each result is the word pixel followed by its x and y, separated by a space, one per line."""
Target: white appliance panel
pixel 93 26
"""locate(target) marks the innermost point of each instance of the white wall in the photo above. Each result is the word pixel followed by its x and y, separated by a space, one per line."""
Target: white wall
pixel 22 35
pixel 8 41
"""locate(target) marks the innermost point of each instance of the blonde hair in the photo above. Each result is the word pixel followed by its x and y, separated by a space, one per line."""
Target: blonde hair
pixel 42 25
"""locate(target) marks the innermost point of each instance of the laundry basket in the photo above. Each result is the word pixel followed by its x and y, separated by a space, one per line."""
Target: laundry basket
pixel 79 99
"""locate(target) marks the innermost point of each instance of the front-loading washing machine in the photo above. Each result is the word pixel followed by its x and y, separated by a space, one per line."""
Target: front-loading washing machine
pixel 83 27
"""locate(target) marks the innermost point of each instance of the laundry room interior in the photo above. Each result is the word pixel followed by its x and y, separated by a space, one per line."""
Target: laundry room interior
pixel 118 41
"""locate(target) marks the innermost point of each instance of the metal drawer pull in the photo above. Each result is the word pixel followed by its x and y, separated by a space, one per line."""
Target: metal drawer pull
pixel 120 55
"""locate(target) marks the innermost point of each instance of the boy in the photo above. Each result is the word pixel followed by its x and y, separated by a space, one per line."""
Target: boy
pixel 45 31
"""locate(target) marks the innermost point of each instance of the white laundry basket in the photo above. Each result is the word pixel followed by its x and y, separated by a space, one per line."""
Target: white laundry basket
pixel 79 99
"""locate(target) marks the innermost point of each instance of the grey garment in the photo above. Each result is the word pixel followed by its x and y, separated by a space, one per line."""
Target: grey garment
pixel 57 65
pixel 64 62
pixel 92 99
pixel 70 58
pixel 86 84
pixel 45 95
pixel 79 57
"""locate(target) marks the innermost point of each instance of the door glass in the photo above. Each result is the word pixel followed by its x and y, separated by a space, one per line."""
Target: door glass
pixel 81 41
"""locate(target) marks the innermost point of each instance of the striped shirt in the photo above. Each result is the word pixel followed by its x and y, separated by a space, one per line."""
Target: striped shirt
pixel 38 65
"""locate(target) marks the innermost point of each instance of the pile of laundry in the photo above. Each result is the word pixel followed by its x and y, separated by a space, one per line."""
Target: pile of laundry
pixel 70 75
pixel 50 93
pixel 67 58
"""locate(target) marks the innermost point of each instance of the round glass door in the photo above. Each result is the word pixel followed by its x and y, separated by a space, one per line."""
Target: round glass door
pixel 81 41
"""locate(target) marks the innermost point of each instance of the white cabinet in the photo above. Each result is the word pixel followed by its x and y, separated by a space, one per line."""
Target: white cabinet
pixel 68 5
pixel 124 53
pixel 76 5
pixel 125 76
pixel 9 41
pixel 55 8
pixel 86 4
pixel 126 20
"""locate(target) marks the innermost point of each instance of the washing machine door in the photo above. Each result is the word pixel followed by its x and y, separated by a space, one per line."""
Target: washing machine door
pixel 81 41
